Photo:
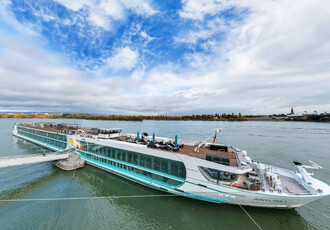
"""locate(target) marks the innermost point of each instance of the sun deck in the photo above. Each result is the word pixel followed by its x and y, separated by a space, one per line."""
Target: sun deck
pixel 185 149
pixel 189 151
pixel 60 128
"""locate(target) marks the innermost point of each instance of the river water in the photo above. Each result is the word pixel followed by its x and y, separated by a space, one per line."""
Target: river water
pixel 277 143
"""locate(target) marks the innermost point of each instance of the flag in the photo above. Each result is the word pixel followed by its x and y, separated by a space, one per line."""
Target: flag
pixel 214 137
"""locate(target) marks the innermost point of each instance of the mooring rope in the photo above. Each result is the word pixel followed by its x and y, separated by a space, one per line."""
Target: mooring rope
pixel 248 215
pixel 74 173
pixel 82 198
pixel 317 211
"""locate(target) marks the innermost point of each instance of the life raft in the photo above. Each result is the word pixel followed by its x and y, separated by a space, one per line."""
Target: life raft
pixel 233 184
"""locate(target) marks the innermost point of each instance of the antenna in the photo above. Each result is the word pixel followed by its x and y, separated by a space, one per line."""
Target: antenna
pixel 217 130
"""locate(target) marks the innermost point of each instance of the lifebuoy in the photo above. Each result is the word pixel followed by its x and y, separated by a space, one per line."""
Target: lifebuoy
pixel 233 184
pixel 226 174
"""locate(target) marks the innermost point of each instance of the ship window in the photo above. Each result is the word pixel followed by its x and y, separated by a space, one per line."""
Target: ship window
pixel 115 153
pixel 135 158
pixel 148 162
pixel 182 171
pixel 174 169
pixel 164 166
pixel 142 160
pixel 157 164
pixel 129 157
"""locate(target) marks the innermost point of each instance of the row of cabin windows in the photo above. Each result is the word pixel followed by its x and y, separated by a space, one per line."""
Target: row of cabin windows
pixel 42 139
pixel 170 167
pixel 43 133
pixel 130 169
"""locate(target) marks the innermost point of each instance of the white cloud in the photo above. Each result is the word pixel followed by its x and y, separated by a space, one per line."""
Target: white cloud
pixel 103 13
pixel 32 79
pixel 113 8
pixel 99 20
pixel 275 58
pixel 74 5
pixel 201 32
pixel 141 7
pixel 146 36
pixel 197 9
pixel 124 58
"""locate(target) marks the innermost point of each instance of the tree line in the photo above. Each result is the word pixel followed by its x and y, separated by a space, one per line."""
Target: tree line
pixel 202 117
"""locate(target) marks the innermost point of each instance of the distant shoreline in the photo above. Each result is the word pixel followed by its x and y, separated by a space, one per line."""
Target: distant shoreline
pixel 203 117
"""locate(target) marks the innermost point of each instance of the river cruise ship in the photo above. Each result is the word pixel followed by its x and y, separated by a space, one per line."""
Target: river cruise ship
pixel 202 170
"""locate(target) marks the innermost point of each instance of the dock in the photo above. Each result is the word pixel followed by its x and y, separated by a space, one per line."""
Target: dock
pixel 33 158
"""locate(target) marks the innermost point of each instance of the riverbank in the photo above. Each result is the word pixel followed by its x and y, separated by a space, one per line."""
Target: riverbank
pixel 203 117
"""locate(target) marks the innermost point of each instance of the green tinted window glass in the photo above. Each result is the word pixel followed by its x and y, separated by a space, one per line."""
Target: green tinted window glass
pixel 157 164
pixel 148 162
pixel 142 160
pixel 164 167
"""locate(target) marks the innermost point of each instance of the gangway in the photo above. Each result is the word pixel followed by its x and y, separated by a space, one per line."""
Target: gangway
pixel 34 158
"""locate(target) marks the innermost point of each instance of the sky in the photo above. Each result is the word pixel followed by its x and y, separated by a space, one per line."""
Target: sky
pixel 164 57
